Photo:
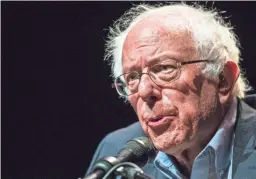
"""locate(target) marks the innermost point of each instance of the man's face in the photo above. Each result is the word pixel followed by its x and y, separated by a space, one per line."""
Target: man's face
pixel 178 115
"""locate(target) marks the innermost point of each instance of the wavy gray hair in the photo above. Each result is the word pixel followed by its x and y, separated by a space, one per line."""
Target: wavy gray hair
pixel 213 38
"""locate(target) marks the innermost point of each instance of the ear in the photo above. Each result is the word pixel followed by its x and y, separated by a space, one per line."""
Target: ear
pixel 227 81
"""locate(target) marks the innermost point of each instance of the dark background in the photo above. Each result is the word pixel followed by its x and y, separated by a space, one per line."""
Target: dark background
pixel 57 100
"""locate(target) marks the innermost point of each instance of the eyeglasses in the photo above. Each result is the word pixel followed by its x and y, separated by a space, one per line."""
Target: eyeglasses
pixel 161 74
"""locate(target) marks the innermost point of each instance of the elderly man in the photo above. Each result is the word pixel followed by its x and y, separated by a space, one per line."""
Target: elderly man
pixel 177 65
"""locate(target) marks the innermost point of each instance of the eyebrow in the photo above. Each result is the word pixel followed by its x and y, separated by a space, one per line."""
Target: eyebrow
pixel 162 57
pixel 152 61
pixel 132 65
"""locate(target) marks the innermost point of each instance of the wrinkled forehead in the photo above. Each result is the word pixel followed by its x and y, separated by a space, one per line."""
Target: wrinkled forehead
pixel 155 34
pixel 154 28
pixel 147 31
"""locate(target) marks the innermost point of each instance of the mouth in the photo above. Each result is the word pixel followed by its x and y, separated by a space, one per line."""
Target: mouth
pixel 160 122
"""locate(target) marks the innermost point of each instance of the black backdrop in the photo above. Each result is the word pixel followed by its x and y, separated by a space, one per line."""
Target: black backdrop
pixel 57 100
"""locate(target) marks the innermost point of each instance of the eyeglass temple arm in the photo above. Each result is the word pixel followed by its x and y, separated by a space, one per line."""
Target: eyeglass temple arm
pixel 195 61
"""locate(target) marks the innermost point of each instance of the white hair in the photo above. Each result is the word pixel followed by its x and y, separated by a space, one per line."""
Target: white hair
pixel 213 38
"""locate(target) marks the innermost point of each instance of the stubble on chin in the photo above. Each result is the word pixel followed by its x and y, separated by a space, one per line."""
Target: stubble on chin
pixel 170 141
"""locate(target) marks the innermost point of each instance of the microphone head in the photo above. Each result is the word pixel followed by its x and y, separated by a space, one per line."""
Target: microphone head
pixel 141 146
pixel 137 150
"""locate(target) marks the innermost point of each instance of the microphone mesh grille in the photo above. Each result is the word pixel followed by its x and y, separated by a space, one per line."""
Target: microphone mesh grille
pixel 141 146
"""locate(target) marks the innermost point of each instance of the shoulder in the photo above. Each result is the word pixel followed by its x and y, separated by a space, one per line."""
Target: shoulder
pixel 116 140
pixel 112 143
pixel 246 122
pixel 244 154
pixel 246 112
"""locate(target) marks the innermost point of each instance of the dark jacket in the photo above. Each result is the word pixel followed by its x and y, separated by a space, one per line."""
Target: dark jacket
pixel 244 151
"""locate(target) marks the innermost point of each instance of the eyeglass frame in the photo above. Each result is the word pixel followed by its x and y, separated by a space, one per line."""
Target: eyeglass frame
pixel 179 64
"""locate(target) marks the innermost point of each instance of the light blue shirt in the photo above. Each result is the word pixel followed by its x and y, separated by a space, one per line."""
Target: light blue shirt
pixel 214 161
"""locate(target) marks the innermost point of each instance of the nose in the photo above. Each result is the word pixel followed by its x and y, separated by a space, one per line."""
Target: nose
pixel 148 90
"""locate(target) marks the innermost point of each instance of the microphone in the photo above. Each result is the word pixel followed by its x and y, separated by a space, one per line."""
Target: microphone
pixel 136 150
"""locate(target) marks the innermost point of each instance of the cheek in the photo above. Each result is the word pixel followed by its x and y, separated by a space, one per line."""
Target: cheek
pixel 195 104
pixel 187 106
pixel 185 96
pixel 138 107
pixel 209 100
pixel 187 110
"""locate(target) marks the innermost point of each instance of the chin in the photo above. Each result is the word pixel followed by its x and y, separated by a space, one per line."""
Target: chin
pixel 169 142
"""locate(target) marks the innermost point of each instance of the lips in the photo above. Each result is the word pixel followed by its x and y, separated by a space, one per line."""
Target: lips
pixel 160 123
pixel 159 117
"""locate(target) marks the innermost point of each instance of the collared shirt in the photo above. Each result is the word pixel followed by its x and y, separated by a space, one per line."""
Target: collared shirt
pixel 214 161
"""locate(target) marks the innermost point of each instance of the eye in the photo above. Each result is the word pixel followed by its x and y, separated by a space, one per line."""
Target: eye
pixel 165 68
pixel 132 77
